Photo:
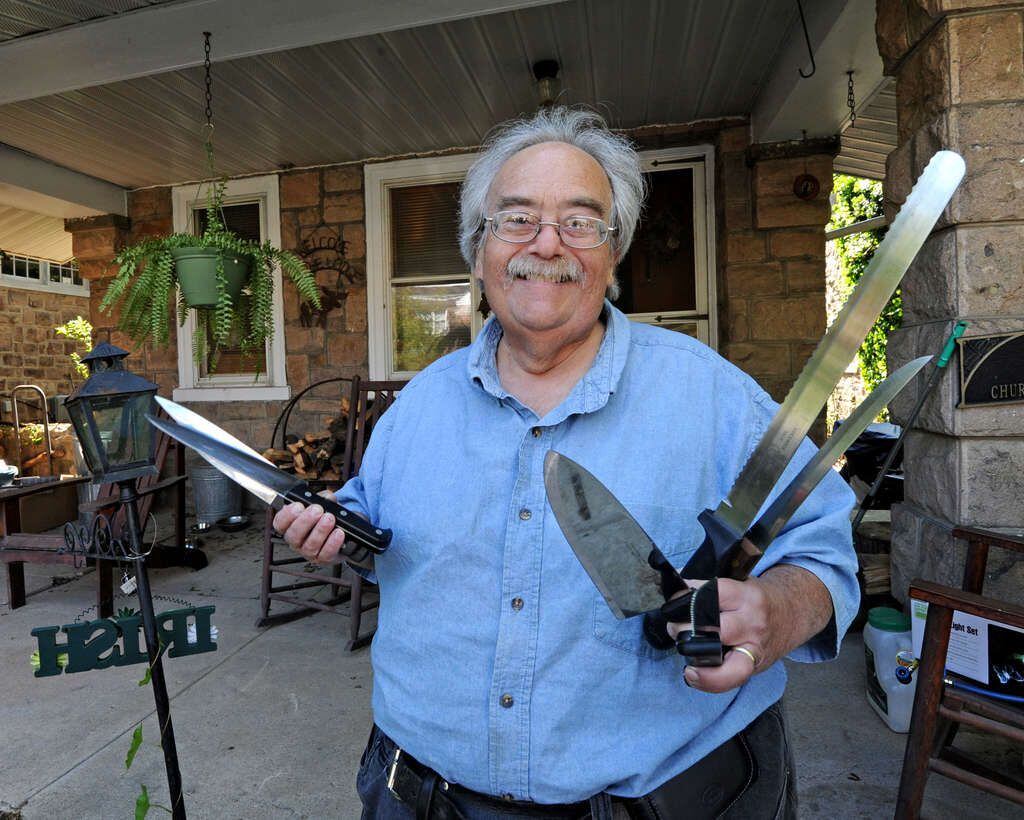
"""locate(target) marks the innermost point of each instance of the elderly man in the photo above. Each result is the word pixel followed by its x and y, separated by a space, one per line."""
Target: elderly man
pixel 503 685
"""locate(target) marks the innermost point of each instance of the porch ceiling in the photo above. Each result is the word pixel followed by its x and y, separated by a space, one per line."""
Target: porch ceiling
pixel 19 18
pixel 408 90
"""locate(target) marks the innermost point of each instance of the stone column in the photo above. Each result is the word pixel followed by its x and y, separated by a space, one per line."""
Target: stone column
pixel 95 240
pixel 959 69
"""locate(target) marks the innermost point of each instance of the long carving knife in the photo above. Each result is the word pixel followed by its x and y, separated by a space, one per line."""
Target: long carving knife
pixel 266 482
pixel 787 429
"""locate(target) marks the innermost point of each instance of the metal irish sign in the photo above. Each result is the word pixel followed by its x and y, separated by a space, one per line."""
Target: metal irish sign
pixel 109 642
pixel 992 369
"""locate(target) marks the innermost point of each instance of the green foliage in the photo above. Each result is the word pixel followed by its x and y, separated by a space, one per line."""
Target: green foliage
pixel 142 804
pixel 78 330
pixel 134 748
pixel 146 281
pixel 858 199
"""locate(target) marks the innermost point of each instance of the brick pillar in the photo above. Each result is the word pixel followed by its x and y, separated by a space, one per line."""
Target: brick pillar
pixel 95 240
pixel 959 69
pixel 773 264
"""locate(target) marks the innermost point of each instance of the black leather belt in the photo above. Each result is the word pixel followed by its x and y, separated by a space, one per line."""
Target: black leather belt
pixel 705 790
pixel 429 794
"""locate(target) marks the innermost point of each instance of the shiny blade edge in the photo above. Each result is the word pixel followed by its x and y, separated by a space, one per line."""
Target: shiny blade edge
pixel 182 433
pixel 189 418
pixel 906 235
pixel 770 524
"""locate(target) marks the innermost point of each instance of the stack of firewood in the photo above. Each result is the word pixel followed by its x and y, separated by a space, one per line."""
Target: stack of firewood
pixel 314 456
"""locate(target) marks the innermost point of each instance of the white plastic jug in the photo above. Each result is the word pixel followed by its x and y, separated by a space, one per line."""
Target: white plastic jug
pixel 886 634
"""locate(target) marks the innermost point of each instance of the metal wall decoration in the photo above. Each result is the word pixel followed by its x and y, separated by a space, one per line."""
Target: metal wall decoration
pixel 324 250
pixel 992 369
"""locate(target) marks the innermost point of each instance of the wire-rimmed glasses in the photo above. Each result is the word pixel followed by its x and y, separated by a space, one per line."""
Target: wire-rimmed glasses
pixel 519 227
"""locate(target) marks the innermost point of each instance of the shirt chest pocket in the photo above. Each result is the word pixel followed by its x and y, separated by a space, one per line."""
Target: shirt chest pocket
pixel 677 534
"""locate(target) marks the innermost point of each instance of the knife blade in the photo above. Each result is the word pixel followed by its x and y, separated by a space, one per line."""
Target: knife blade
pixel 270 484
pixel 618 555
pixel 744 556
pixel 913 224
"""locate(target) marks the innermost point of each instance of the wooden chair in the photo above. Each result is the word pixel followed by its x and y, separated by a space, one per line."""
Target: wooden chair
pixel 939 708
pixel 367 402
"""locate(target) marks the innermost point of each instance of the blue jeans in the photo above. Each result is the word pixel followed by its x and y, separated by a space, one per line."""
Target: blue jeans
pixel 771 794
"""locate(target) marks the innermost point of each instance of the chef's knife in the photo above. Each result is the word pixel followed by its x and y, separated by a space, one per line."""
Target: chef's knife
pixel 268 483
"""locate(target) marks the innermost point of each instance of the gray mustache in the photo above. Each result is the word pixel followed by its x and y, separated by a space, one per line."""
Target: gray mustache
pixel 560 269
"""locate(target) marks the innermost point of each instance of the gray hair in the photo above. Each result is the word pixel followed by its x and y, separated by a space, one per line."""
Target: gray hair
pixel 579 128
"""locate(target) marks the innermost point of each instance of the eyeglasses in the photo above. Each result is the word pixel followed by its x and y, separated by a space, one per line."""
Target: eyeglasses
pixel 519 228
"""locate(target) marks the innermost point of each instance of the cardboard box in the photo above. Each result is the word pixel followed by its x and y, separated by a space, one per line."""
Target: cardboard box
pixel 986 651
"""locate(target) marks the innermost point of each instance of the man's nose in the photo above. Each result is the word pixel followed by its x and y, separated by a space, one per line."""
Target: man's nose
pixel 547 242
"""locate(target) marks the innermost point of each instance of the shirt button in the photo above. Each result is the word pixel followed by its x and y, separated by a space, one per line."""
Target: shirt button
pixel 507 701
pixel 517 604
pixel 536 432
pixel 525 514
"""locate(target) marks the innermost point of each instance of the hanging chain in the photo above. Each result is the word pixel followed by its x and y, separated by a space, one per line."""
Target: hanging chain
pixel 208 142
pixel 851 103
pixel 209 81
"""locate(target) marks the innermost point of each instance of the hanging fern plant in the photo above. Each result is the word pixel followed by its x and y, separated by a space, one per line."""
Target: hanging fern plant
pixel 147 279
pixel 857 199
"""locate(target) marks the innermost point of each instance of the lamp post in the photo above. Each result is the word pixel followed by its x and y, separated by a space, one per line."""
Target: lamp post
pixel 108 412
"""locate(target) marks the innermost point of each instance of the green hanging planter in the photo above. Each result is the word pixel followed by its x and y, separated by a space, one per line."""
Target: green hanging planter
pixel 197 274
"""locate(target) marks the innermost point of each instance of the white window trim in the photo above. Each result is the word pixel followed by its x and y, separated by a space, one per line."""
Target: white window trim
pixel 43 284
pixel 380 178
pixel 272 385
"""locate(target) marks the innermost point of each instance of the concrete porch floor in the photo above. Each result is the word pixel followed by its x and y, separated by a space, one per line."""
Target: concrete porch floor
pixel 272 724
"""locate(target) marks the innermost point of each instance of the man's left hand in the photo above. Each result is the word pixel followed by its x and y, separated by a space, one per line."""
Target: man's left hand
pixel 768 616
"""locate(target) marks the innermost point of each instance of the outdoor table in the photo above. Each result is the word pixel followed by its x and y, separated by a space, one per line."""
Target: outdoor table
pixel 18 548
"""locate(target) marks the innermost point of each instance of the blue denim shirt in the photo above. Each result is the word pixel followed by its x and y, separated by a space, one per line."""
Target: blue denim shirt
pixel 496 660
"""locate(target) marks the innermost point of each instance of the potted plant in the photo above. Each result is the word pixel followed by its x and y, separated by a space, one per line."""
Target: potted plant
pixel 209 272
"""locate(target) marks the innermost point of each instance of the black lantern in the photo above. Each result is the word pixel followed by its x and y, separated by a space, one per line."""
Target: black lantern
pixel 108 412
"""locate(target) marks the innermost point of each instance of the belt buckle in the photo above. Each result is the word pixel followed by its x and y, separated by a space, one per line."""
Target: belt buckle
pixel 392 771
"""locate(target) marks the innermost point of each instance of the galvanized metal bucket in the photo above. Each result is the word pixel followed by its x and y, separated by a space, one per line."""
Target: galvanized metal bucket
pixel 216 496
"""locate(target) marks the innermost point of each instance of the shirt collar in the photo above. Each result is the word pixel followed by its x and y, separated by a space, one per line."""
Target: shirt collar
pixel 591 393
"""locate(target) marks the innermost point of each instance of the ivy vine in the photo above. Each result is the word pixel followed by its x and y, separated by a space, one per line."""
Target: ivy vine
pixel 857 199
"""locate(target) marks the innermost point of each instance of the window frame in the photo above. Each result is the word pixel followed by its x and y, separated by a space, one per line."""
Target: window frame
pixel 271 385
pixel 43 283
pixel 701 160
pixel 381 177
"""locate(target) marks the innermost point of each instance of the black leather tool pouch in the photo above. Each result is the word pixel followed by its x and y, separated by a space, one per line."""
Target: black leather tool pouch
pixel 705 790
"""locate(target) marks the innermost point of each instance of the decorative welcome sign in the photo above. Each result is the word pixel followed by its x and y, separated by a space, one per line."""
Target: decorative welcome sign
pixel 108 642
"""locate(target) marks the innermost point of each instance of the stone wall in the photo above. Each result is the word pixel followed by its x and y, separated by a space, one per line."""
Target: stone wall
pixel 31 352
pixel 959 67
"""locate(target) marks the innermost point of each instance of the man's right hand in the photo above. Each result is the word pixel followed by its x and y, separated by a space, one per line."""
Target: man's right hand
pixel 311 532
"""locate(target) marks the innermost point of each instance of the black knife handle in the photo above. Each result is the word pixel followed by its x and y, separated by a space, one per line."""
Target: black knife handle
pixel 656 623
pixel 358 529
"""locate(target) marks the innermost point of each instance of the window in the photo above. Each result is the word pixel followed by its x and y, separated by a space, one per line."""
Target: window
pixel 422 300
pixel 30 273
pixel 251 210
